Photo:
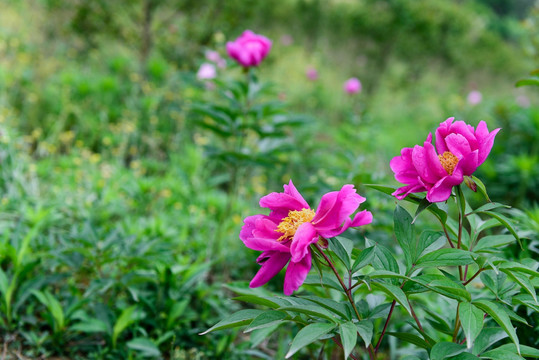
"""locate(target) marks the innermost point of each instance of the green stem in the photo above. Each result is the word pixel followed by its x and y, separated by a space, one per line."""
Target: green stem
pixel 457 325
pixel 348 292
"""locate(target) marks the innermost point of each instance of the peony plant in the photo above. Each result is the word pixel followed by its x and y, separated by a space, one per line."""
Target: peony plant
pixel 453 285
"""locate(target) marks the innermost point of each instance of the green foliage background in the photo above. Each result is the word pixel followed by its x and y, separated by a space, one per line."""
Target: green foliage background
pixel 119 229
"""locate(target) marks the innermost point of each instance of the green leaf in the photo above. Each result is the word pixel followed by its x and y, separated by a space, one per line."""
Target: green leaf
pixel 493 241
pixel 497 354
pixel 423 205
pixel 364 258
pixel 90 326
pixel 487 338
pixel 505 222
pixel 176 311
pixel 514 266
pixel 433 208
pixel 311 310
pixel 258 300
pixel 489 206
pixel 498 313
pixel 410 338
pixel 472 322
pixel 331 305
pixel 240 318
pixel 526 351
pixel 444 350
pixel 428 242
pixel 325 281
pixel 348 334
pixel 308 335
pixel 145 346
pixel 463 356
pixel 126 318
pixel 445 257
pixel 523 281
pixel 482 188
pixel 365 329
pixel 404 232
pixel 446 287
pixel 53 306
pixel 384 260
pixel 342 247
pixel 257 336
pixel 266 319
pixel 394 292
pixel 534 81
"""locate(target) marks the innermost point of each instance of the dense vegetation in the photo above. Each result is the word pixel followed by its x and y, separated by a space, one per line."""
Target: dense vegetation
pixel 122 195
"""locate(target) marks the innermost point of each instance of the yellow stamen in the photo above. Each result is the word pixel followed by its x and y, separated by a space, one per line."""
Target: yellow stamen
pixel 448 161
pixel 290 224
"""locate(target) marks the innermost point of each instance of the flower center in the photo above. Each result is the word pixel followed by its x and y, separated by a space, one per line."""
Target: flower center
pixel 290 224
pixel 448 161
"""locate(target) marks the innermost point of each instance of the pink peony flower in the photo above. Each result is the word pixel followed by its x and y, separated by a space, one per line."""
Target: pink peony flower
pixel 460 150
pixel 352 86
pixel 312 74
pixel 285 235
pixel 206 71
pixel 249 49
pixel 474 97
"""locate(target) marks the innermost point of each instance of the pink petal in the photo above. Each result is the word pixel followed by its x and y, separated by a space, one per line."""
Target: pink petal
pixel 441 133
pixel 404 191
pixel 468 164
pixel 281 203
pixel 261 244
pixel 485 141
pixel 296 274
pixel 335 207
pixel 249 226
pixel 441 191
pixel 274 262
pixel 427 163
pixel 458 145
pixel 362 218
pixel 305 236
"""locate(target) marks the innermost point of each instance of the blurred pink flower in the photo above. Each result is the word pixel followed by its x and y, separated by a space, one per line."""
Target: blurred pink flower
pixel 213 56
pixel 523 101
pixel 474 97
pixel 352 86
pixel 460 150
pixel 287 40
pixel 206 71
pixel 249 49
pixel 285 235
pixel 312 74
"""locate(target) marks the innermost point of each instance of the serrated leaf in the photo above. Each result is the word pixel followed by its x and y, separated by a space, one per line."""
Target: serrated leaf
pixel 364 258
pixel 410 338
pixel 266 319
pixel 395 293
pixel 348 334
pixel 444 350
pixel 497 312
pixel 239 318
pixel 308 335
pixel 471 319
pixel 445 257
